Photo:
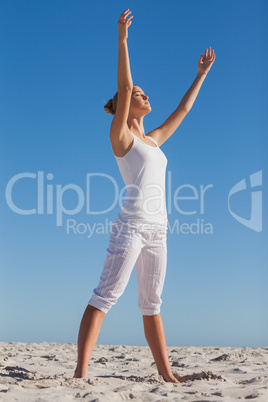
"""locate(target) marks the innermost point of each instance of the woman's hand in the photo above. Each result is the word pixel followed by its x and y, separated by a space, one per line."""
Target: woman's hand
pixel 123 24
pixel 205 62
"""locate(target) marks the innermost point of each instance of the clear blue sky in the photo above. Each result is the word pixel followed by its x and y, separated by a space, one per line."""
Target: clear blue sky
pixel 58 68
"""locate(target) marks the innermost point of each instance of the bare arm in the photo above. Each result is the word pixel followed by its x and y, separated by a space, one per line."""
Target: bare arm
pixel 124 80
pixel 188 100
pixel 203 67
pixel 162 133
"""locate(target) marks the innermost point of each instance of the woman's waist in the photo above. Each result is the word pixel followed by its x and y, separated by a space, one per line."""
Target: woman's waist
pixel 142 221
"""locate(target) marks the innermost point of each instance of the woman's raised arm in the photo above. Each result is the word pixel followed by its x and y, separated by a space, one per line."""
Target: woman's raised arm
pixel 162 133
pixel 124 79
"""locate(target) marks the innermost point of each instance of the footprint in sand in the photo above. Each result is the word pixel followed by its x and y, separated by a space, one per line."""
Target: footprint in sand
pixel 204 375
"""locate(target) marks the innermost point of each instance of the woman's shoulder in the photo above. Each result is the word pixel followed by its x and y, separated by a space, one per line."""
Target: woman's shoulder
pixel 121 142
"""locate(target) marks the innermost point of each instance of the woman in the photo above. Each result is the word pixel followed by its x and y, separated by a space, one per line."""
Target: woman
pixel 138 235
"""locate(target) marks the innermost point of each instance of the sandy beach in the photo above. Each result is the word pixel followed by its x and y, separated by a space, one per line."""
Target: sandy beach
pixel 44 372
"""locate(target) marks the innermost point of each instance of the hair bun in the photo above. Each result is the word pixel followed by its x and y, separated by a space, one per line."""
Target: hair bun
pixel 109 107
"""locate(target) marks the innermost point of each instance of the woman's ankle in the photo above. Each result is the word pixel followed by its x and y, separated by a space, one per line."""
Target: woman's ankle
pixel 168 376
pixel 80 373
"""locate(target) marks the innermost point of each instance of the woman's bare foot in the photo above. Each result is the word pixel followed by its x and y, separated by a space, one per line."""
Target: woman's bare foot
pixel 179 377
pixel 80 374
pixel 169 377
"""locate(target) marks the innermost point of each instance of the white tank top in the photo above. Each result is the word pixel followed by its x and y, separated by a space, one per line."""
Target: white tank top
pixel 143 171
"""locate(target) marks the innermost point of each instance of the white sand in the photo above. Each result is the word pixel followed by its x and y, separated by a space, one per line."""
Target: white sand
pixel 43 372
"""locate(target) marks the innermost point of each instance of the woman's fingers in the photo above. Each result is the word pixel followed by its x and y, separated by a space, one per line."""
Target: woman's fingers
pixel 128 21
pixel 123 17
pixel 209 55
pixel 124 23
pixel 125 14
pixel 205 62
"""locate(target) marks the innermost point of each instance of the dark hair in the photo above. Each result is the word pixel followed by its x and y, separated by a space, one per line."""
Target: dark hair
pixel 110 106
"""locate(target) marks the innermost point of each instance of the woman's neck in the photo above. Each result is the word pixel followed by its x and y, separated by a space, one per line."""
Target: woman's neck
pixel 136 126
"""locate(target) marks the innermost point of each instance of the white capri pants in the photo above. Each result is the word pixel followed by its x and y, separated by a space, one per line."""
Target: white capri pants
pixel 144 246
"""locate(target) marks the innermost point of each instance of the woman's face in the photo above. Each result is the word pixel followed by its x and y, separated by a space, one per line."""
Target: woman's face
pixel 139 101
